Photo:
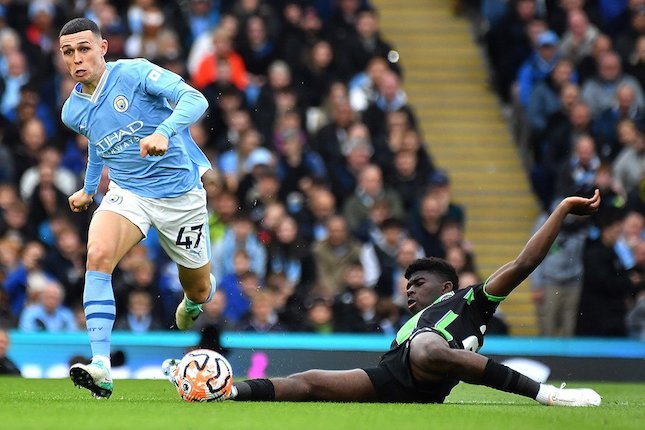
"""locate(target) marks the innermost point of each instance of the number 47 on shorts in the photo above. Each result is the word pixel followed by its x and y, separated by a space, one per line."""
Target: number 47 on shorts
pixel 189 236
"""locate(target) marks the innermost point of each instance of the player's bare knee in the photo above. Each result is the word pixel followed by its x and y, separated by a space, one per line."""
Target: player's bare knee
pixel 99 258
pixel 432 353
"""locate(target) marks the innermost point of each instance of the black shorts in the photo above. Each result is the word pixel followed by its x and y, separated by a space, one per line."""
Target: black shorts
pixel 390 390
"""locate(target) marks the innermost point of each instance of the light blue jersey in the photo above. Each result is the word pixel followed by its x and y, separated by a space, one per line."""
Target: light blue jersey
pixel 132 101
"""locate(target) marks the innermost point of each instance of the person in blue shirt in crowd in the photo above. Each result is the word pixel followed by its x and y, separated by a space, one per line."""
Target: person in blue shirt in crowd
pixel 48 313
pixel 124 109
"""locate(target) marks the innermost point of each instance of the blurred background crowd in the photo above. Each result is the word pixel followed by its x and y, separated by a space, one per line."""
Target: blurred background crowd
pixel 324 188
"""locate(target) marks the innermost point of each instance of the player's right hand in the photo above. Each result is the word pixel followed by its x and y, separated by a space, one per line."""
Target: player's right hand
pixel 80 201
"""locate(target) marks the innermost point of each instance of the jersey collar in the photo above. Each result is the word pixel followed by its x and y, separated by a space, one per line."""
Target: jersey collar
pixel 97 92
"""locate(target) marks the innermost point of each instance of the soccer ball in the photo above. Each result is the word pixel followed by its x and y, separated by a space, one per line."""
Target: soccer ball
pixel 203 376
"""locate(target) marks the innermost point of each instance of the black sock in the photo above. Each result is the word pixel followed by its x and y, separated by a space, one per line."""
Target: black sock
pixel 504 378
pixel 255 389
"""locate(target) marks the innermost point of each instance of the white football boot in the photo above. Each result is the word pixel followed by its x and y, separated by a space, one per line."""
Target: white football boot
pixel 94 376
pixel 553 396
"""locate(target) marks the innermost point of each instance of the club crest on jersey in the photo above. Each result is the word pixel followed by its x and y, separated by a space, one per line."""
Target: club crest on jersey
pixel 121 104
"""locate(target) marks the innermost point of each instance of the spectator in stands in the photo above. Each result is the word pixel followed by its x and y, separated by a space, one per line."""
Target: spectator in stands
pixel 318 72
pixel 628 166
pixel 32 140
pixel 26 278
pixel 334 253
pixel 147 43
pixel 587 67
pixel 606 283
pixel 14 219
pixel 599 91
pixel 577 175
pixel 207 69
pixel 563 128
pixel 319 317
pixel 7 367
pixel 366 43
pixel 297 163
pixel 635 65
pixel 508 43
pixel 139 317
pixel 302 27
pixel 605 125
pixel 408 251
pixel 391 97
pixel 46 203
pixel 257 49
pixel 545 98
pixel 240 235
pixel 235 163
pixel 31 105
pixel 268 224
pixel 203 17
pixel 140 275
pixel 439 186
pixel 629 35
pixel 557 282
pixel 558 17
pixel 328 140
pixel 246 9
pixel 577 41
pixel 17 75
pixel 66 261
pixel 320 205
pixel 356 154
pixel 538 66
pixel 370 188
pixel 342 23
pixel 238 287
pixel 425 225
pixel 363 85
pixel 407 179
pixel 262 316
pixel 64 180
pixel 48 313
pixel 362 316
pixel 288 254
pixel 264 192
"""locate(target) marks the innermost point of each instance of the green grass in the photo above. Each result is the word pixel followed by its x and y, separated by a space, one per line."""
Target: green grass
pixel 142 404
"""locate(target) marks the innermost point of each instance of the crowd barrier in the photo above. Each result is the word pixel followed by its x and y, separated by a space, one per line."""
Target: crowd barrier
pixel 47 355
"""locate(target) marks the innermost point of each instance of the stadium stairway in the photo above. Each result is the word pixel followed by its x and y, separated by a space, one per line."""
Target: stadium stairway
pixel 446 82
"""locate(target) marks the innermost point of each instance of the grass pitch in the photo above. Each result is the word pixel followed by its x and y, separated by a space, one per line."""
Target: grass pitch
pixel 142 404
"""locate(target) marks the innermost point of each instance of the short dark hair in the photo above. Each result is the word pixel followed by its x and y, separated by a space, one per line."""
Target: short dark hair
pixel 436 266
pixel 77 25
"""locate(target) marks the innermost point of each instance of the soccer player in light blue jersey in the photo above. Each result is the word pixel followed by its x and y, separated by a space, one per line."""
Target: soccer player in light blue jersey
pixel 136 116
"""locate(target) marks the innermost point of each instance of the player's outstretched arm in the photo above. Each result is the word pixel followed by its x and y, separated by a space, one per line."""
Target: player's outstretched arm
pixel 509 276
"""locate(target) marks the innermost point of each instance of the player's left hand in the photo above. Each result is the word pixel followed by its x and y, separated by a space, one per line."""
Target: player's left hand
pixel 155 144
pixel 583 206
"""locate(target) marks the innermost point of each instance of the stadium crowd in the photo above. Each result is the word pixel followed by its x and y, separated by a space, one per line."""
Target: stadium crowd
pixel 324 188
pixel 571 75
pixel 321 175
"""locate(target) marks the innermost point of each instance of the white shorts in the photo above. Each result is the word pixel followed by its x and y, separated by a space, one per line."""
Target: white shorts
pixel 182 222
